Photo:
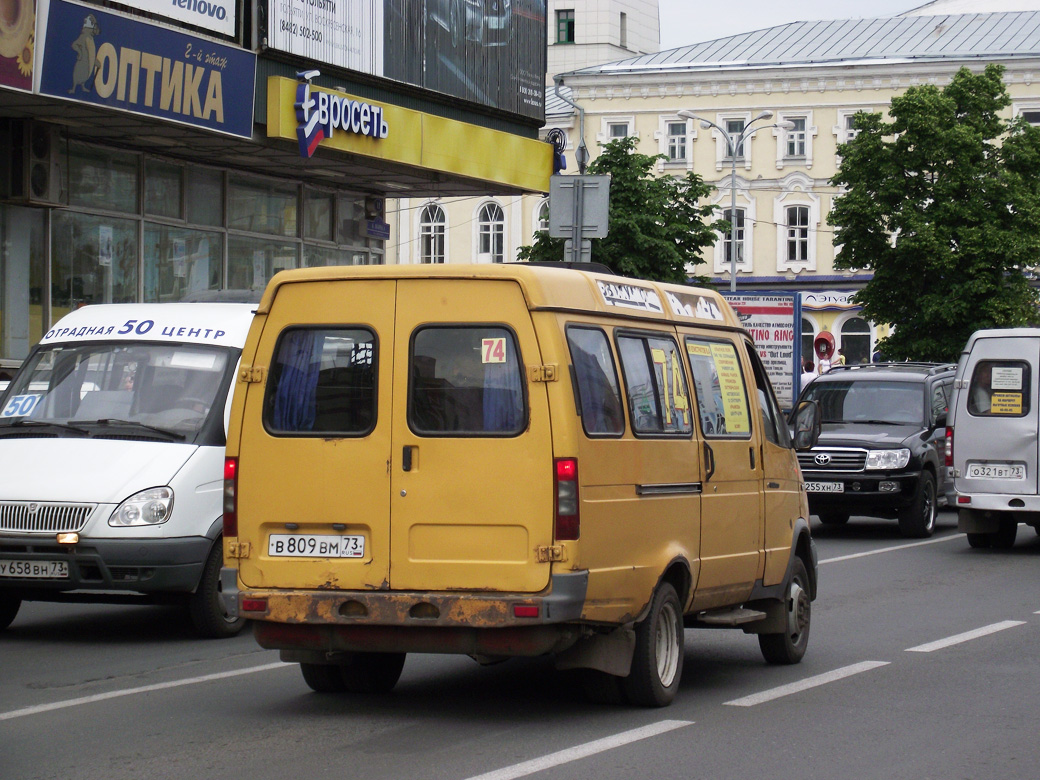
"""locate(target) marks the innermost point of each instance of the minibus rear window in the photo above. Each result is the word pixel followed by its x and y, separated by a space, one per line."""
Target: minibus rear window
pixel 999 388
pixel 322 382
pixel 466 380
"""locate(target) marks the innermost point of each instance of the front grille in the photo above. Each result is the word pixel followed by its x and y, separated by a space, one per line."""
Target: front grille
pixel 838 459
pixel 41 517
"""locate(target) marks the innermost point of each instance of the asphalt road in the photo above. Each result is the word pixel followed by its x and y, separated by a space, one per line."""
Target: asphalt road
pixel 922 663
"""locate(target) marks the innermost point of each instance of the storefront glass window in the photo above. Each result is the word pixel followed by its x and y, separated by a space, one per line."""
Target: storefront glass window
pixel 855 340
pixel 178 261
pixel 93 260
pixel 102 178
pixel 21 271
pixel 162 189
pixel 205 196
pixel 349 214
pixel 262 207
pixel 315 256
pixel 253 261
pixel 317 214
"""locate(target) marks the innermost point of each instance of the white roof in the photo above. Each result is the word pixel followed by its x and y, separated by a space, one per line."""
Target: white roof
pixel 223 324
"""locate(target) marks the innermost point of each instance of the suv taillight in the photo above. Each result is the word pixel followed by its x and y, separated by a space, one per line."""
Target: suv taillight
pixel 568 520
pixel 949 446
pixel 230 497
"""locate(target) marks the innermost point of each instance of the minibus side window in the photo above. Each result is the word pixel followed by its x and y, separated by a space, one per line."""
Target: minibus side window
pixel 999 388
pixel 722 403
pixel 655 383
pixel 322 382
pixel 466 381
pixel 773 426
pixel 596 377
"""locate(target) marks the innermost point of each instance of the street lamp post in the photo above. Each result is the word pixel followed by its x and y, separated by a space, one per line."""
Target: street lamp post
pixel 732 147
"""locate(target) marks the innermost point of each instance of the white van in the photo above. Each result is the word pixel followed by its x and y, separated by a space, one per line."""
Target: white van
pixel 991 438
pixel 112 438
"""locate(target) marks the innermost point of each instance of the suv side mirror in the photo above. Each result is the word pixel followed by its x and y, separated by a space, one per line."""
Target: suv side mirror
pixel 940 420
pixel 805 425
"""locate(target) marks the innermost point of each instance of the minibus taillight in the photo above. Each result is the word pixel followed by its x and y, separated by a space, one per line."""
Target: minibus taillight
pixel 949 446
pixel 230 497
pixel 568 521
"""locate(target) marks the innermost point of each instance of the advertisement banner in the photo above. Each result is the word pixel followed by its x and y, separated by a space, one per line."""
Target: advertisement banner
pixel 17 26
pixel 774 321
pixel 118 62
pixel 217 16
pixel 491 53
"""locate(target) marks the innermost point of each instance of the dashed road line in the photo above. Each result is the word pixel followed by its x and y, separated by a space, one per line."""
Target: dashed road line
pixel 890 549
pixel 807 683
pixel 583 751
pixel 967 636
pixel 60 705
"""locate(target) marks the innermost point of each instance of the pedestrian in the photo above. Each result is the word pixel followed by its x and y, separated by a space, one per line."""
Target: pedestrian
pixel 840 360
pixel 808 372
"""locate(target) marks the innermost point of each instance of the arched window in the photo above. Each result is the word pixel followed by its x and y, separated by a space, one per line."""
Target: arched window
pixel 431 234
pixel 808 336
pixel 492 225
pixel 855 340
pixel 542 220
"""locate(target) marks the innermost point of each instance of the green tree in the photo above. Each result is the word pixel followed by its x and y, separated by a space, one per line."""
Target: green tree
pixel 657 224
pixel 942 203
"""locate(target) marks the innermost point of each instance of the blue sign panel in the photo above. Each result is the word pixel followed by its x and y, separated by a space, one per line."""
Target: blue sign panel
pixel 114 61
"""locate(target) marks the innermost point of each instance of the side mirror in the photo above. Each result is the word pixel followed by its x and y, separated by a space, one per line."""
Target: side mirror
pixel 940 420
pixel 805 425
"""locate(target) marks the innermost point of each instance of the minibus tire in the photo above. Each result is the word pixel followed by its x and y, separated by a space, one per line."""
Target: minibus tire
pixel 917 521
pixel 658 658
pixel 206 606
pixel 789 647
pixel 1007 531
pixel 9 606
pixel 323 678
pixel 600 687
pixel 834 518
pixel 371 672
pixel 980 541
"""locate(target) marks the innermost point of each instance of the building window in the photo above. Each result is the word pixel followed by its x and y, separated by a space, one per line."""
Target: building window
pixel 492 226
pixel 624 31
pixel 431 234
pixel 855 340
pixel 735 127
pixel 727 240
pixel 850 127
pixel 565 26
pixel 796 137
pixel 617 130
pixel 542 216
pixel 1032 116
pixel 797 234
pixel 676 141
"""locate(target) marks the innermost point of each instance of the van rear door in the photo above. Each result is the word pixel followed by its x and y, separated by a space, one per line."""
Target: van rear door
pixel 313 482
pixel 471 458
pixel 995 434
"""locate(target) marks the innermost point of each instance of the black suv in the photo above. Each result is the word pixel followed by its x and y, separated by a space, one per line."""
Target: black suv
pixel 882 445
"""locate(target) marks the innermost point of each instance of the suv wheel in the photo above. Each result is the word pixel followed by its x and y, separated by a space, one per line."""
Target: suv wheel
pixel 918 519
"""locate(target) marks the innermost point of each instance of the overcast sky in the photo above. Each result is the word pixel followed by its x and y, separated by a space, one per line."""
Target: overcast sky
pixel 690 21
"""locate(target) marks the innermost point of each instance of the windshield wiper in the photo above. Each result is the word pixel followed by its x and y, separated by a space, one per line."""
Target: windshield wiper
pixel 48 424
pixel 114 421
pixel 878 422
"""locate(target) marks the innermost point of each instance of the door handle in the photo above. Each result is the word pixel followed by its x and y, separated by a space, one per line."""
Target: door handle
pixel 709 462
pixel 406 458
pixel 751 454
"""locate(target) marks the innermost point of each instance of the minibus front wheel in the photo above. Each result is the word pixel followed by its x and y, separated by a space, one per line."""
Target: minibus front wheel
pixel 658 658
pixel 789 646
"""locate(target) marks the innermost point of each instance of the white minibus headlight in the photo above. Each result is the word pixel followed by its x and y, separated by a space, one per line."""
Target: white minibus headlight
pixel 887 459
pixel 149 507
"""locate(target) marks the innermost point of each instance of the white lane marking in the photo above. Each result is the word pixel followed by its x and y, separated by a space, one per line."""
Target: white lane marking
pixel 808 682
pixel 583 751
pixel 890 549
pixel 60 705
pixel 967 636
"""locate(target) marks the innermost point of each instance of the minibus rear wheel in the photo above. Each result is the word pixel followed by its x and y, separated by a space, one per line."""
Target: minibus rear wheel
pixel 658 659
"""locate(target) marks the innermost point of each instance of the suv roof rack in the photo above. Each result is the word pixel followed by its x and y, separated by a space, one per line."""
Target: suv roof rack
pixel 928 368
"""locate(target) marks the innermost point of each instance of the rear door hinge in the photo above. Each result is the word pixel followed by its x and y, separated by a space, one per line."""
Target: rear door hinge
pixel 551 553
pixel 238 549
pixel 546 373
pixel 251 374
